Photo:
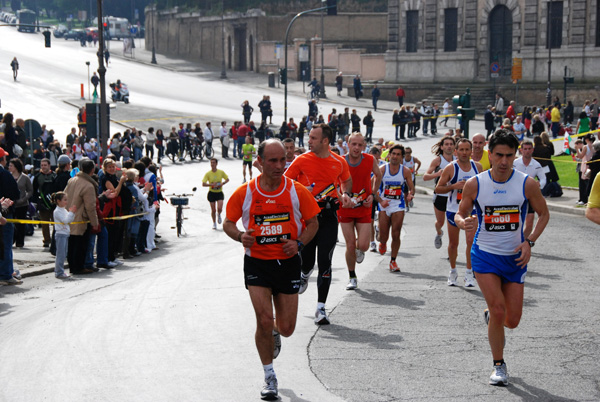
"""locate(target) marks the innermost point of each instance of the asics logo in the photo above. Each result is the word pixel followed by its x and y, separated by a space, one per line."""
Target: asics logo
pixel 270 201
pixel 496 191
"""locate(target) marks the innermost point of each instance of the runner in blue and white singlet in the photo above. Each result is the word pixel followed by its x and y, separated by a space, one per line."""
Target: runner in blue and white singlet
pixel 444 151
pixel 455 196
pixel 451 184
pixel 500 251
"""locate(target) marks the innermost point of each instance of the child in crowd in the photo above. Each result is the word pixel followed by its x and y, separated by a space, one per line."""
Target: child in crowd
pixel 63 218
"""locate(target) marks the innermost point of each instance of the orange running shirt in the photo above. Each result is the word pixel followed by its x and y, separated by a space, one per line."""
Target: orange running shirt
pixel 325 173
pixel 273 216
pixel 361 187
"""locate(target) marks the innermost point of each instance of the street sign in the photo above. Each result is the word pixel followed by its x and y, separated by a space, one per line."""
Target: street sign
pixel 495 75
pixel 495 67
pixel 517 69
pixel 279 52
pixel 303 53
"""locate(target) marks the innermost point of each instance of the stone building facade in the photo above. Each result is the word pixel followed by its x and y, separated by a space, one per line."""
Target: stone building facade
pixel 460 40
pixel 239 37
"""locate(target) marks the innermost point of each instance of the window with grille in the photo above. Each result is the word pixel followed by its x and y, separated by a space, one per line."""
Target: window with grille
pixel 412 31
pixel 555 25
pixel 450 29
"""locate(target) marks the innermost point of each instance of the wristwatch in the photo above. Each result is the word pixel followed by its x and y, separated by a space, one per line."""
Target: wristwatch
pixel 300 245
pixel 531 243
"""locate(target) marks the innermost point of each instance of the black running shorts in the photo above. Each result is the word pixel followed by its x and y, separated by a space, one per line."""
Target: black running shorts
pixel 215 196
pixel 439 202
pixel 281 276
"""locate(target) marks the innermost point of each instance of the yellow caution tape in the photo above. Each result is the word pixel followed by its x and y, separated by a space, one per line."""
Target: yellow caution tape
pixel 562 161
pixel 37 222
pixel 576 135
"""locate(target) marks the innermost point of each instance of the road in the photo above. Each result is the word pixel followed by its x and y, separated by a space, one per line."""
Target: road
pixel 50 79
pixel 178 325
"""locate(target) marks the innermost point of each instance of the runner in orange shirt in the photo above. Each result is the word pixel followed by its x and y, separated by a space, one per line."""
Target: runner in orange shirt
pixel 356 221
pixel 279 217
pixel 322 171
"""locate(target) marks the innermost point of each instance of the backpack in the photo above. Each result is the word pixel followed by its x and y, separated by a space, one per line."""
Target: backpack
pixel 552 189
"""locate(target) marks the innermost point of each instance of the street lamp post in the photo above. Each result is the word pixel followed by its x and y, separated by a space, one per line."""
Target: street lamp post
pixel 103 126
pixel 322 92
pixel 549 89
pixel 223 71
pixel 285 52
pixel 153 61
pixel 89 88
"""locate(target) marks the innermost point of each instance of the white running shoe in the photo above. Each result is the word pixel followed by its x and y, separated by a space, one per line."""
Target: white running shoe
pixel 269 391
pixel 499 375
pixel 219 219
pixel 360 256
pixel 452 278
pixel 469 280
pixel 411 203
pixel 118 262
pixel 438 240
pixel 374 246
pixel 11 281
pixel 304 281
pixel 321 317
pixel 276 344
pixel 352 284
pixel 112 264
pixel 214 226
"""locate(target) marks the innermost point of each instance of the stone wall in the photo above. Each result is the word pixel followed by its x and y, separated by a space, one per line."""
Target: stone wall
pixel 194 37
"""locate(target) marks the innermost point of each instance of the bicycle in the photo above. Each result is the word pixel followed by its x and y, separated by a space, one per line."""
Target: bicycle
pixel 180 201
pixel 314 94
pixel 208 149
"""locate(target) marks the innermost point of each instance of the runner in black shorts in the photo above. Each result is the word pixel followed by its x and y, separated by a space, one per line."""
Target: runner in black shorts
pixel 284 218
pixel 215 179
pixel 444 151
pixel 281 276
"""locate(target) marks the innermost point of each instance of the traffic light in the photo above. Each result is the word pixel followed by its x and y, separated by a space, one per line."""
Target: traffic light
pixel 283 76
pixel 47 37
pixel 332 7
pixel 464 111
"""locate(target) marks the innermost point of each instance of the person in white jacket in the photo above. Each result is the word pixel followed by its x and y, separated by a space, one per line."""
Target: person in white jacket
pixel 150 141
pixel 63 218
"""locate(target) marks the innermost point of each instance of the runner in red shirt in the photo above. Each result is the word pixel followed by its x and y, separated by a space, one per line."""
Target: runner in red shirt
pixel 322 171
pixel 356 221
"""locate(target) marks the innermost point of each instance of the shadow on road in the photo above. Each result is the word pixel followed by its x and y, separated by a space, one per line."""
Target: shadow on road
pixel 530 393
pixel 384 299
pixel 341 333
pixel 292 395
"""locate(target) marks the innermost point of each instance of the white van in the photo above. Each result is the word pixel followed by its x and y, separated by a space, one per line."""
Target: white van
pixel 116 28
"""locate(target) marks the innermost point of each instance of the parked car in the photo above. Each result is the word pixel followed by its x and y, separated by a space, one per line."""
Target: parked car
pixel 60 31
pixel 75 34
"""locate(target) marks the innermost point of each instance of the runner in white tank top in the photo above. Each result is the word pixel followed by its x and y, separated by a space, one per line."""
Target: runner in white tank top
pixel 451 183
pixel 444 150
pixel 500 253
pixel 392 202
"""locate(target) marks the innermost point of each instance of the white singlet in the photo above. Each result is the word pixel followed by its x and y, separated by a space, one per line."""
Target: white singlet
pixel 501 210
pixel 411 165
pixel 455 196
pixel 391 190
pixel 443 164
